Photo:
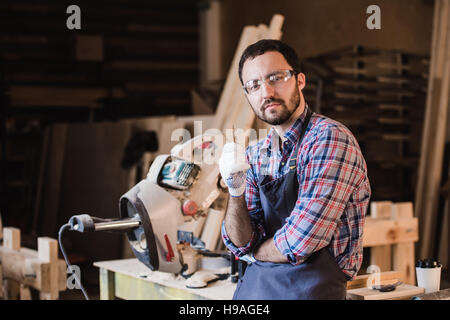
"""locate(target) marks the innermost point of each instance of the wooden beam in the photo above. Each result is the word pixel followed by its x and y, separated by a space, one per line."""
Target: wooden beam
pixel 403 253
pixel 378 232
pixel 11 238
pixel 381 256
pixel 107 285
pixel 381 209
pixel 361 281
pixel 401 292
pixel 48 252
pixel 433 137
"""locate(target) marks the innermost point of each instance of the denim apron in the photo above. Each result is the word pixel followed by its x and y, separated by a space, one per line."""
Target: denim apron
pixel 318 278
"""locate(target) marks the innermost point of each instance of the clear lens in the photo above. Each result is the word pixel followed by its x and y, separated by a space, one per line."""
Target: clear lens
pixel 273 79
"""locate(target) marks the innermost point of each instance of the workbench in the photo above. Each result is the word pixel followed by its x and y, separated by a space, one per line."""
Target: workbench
pixel 130 279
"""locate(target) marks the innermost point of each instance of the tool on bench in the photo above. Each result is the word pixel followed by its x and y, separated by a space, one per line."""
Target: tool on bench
pixel 387 287
pixel 160 213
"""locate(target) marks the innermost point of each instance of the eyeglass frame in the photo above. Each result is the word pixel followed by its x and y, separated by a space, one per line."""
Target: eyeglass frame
pixel 260 81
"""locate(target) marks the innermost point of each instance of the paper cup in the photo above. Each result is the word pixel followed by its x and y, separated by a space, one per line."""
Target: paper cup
pixel 429 279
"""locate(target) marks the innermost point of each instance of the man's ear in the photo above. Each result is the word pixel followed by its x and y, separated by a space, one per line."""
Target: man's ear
pixel 301 81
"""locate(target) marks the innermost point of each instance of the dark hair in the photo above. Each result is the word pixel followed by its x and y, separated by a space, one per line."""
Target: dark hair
pixel 266 45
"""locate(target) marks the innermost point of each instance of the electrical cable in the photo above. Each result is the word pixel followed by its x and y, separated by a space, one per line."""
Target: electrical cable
pixel 78 281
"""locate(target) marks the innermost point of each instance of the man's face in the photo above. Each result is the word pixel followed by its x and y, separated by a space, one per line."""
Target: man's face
pixel 272 104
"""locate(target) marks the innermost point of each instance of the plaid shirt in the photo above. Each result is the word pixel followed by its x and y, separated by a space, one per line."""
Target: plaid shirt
pixel 333 195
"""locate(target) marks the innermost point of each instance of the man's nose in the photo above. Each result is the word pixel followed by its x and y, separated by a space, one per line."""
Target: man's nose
pixel 267 90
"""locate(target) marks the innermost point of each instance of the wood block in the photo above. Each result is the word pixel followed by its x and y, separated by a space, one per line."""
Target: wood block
pixel 11 238
pixel 361 280
pixel 381 256
pixel 402 210
pixel 379 232
pixel 402 292
pixel 62 275
pixel 404 262
pixel 48 252
pixel 107 285
pixel 381 209
pixel 24 292
pixel 11 289
pixel 211 229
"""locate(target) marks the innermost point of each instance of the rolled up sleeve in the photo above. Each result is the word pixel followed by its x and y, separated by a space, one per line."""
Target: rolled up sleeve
pixel 256 218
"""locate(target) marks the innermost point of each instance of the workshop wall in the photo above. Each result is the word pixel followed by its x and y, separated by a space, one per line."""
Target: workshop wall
pixel 315 27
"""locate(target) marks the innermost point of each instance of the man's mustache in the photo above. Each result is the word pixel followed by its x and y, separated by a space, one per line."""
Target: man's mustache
pixel 270 101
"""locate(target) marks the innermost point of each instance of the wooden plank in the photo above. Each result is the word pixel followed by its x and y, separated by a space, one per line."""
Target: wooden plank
pixel 211 229
pixel 361 281
pixel 62 275
pixel 402 210
pixel 107 285
pixel 403 253
pixel 24 266
pixel 11 289
pixel 425 191
pixel 381 256
pixel 24 292
pixel 381 209
pixel 11 238
pixel 48 252
pixel 383 232
pixel 232 82
pixel 403 261
pixel 401 292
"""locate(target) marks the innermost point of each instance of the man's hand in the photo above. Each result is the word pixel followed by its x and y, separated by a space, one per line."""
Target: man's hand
pixel 233 168
pixel 268 252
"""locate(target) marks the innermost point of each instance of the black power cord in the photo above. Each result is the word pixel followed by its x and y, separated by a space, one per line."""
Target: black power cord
pixel 78 281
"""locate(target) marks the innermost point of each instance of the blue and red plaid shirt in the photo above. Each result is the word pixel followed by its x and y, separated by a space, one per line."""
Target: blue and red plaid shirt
pixel 333 197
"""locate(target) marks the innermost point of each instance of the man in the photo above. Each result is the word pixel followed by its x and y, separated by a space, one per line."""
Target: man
pixel 299 196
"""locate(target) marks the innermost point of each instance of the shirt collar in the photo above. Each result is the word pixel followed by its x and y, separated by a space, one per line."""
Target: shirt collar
pixel 292 134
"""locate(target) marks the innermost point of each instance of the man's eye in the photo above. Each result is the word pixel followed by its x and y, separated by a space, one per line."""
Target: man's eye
pixel 276 77
pixel 253 85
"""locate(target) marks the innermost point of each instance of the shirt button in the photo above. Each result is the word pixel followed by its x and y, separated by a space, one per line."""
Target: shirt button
pixel 282 163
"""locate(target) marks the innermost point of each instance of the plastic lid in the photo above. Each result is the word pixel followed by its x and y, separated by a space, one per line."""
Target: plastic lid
pixel 428 263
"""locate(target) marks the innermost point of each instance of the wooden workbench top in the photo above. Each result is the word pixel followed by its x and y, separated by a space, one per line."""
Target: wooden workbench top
pixel 219 290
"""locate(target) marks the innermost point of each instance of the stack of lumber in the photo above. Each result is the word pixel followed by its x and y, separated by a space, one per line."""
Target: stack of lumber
pixel 23 268
pixel 390 232
pixel 380 96
pixel 234 112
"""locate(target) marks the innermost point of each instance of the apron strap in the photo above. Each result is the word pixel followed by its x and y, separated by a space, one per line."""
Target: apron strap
pixel 293 160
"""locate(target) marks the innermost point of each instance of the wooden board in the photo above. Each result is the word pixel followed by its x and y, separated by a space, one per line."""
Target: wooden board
pixel 381 209
pixel 384 277
pixel 433 138
pixel 402 292
pixel 378 232
pixel 381 256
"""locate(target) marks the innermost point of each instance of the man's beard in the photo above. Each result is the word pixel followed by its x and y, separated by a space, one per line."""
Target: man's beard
pixel 279 117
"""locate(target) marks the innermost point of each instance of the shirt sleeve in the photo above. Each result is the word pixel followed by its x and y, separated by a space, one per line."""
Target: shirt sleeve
pixel 330 171
pixel 256 217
